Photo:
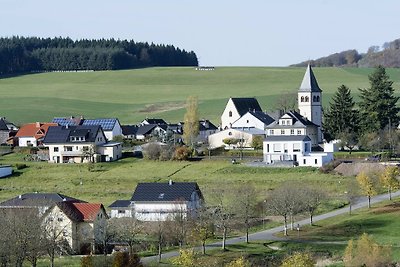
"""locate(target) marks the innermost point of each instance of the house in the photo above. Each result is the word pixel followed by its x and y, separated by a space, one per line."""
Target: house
pixel 295 138
pixel 77 144
pixel 32 134
pixel 111 127
pixel 160 201
pixel 81 225
pixel 234 138
pixel 253 119
pixel 129 131
pixel 147 131
pixel 5 170
pixel 206 128
pixel 236 108
pixel 292 123
pixel 7 131
pixel 78 223
pixel 153 121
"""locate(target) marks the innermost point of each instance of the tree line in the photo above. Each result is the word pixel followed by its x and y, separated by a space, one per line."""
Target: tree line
pixel 368 124
pixel 32 54
pixel 388 55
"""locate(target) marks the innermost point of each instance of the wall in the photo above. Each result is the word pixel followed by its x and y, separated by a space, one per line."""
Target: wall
pixel 23 141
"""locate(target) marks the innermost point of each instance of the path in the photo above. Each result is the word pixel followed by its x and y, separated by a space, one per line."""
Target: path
pixel 270 233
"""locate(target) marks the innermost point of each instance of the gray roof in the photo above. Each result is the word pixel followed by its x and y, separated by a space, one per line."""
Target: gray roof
pixel 244 105
pixel 61 134
pixel 309 83
pixel 129 129
pixel 3 125
pixel 120 204
pixel 161 192
pixel 106 124
pixel 262 116
pixel 287 138
pixel 37 199
pixel 146 129
pixel 298 121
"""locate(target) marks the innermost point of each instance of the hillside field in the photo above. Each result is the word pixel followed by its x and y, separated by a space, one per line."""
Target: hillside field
pixel 132 95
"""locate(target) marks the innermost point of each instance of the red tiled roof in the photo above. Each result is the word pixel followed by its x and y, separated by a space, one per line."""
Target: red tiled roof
pixel 89 211
pixel 37 129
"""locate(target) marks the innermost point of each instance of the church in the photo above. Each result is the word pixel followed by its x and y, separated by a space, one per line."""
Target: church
pixel 295 138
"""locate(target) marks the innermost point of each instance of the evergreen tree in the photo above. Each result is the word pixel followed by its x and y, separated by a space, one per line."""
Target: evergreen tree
pixel 378 103
pixel 341 116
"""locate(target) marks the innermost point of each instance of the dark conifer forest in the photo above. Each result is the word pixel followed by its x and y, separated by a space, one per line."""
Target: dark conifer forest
pixel 32 54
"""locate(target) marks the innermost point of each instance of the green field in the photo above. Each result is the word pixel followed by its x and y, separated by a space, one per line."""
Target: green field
pixel 117 180
pixel 132 95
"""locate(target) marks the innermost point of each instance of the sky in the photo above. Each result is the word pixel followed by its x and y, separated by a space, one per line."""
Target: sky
pixel 220 32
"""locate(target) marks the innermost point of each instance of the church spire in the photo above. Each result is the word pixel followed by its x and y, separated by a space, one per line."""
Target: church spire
pixel 309 83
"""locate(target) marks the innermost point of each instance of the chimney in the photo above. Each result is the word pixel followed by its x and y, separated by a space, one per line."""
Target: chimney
pixel 66 126
pixel 20 196
pixel 37 124
pixel 170 182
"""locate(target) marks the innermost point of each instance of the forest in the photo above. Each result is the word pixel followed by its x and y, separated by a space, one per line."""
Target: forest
pixel 33 54
pixel 387 55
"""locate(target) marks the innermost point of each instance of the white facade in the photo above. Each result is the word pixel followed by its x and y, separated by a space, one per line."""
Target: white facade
pixel 116 131
pixel 121 212
pixel 27 141
pixel 5 170
pixel 230 115
pixel 110 151
pixel 162 211
pixel 245 134
pixel 249 120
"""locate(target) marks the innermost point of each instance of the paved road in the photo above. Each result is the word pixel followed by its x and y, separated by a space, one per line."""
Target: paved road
pixel 270 233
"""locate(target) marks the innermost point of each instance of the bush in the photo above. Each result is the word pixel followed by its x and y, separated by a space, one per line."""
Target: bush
pixel 152 151
pixel 166 153
pixel 123 259
pixel 20 166
pixel 182 153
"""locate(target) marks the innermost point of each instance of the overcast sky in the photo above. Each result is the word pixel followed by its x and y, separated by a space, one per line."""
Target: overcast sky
pixel 221 32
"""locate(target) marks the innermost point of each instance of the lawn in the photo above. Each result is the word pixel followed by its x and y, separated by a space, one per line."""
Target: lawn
pixel 132 95
pixel 117 180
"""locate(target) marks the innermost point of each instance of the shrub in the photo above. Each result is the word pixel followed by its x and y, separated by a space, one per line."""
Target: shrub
pixel 152 151
pixel 166 153
pixel 87 261
pixel 123 259
pixel 20 166
pixel 298 259
pixel 182 153
pixel 239 262
pixel 186 258
pixel 230 141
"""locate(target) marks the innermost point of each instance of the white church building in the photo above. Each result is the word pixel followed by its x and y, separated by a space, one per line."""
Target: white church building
pixel 296 137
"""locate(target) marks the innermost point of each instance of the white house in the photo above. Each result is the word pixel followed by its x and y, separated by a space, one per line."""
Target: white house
pixel 241 137
pixel 32 134
pixel 76 144
pixel 111 127
pixel 236 108
pixel 160 201
pixel 253 119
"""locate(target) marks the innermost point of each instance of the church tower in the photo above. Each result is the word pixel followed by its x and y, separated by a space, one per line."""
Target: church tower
pixel 310 100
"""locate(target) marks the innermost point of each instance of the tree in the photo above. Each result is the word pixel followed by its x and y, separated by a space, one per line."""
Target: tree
pixel 352 192
pixel 202 227
pixel 286 101
pixel 88 153
pixel 378 103
pixel 311 198
pixel 257 142
pixel 246 206
pixel 191 121
pixel 281 200
pixel 298 259
pixel 341 116
pixel 367 186
pixel 366 252
pixel 126 230
pixel 186 258
pixel 389 179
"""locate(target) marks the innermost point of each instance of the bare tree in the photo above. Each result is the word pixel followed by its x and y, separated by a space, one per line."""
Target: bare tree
pixel 246 206
pixel 202 227
pixel 311 199
pixel 352 193
pixel 286 101
pixel 126 230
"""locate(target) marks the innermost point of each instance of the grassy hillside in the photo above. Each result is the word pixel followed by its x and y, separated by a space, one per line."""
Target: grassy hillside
pixel 131 95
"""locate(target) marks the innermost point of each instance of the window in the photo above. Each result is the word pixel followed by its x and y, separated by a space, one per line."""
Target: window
pixel 307 99
pixel 247 121
pixel 230 113
pixel 68 148
pixel 230 133
pixel 304 161
pixel 161 196
pixel 282 131
pixel 283 122
pixel 306 147
pixel 298 132
pixel 60 219
pixel 272 132
pixel 267 147
pixel 296 147
pixel 288 122
pixel 316 161
pixel 302 99
pixel 76 148
pixel 121 211
pixel 55 149
pixel 277 147
pixel 292 131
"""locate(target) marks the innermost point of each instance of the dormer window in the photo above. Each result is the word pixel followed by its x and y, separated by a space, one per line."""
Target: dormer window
pixel 283 122
pixel 161 196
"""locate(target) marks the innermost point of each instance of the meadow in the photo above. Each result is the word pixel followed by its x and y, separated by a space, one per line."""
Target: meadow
pixel 132 95
pixel 117 180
